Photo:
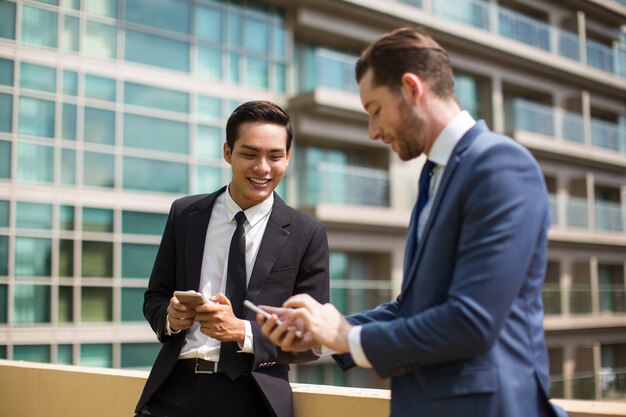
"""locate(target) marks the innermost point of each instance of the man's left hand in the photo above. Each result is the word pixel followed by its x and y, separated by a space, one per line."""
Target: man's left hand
pixel 218 321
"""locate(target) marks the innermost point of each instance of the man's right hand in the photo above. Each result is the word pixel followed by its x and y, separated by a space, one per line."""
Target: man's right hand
pixel 179 315
pixel 284 335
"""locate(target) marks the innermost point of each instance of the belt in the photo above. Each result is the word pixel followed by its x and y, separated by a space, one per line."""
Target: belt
pixel 200 366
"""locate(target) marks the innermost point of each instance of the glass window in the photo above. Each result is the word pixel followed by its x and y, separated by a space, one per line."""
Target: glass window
pixel 68 166
pixel 208 179
pixel 234 24
pixel 97 220
pixel 31 353
pixel 97 304
pixel 158 98
pixel 280 41
pixel 99 169
pixel 257 72
pixel 157 51
pixel 6 69
pixel 7 20
pixel 166 14
pixel 101 7
pixel 209 23
pixel 100 88
pixel 100 40
pixel 32 256
pixel 140 174
pixel 136 222
pixel 137 260
pixel 210 107
pixel 155 134
pixel 55 2
pixel 280 81
pixel 33 216
pixel 96 355
pixel 39 27
pixel 139 355
pixel 3 303
pixel 31 304
pixel 5 159
pixel 97 259
pixel 256 35
pixel 36 117
pixel 4 213
pixel 71 4
pixel 64 355
pixel 4 256
pixel 132 304
pixel 209 63
pixel 70 83
pixel 209 142
pixel 66 304
pixel 66 218
pixel 34 162
pixel 66 258
pixel 70 33
pixel 6 112
pixel 68 122
pixel 99 126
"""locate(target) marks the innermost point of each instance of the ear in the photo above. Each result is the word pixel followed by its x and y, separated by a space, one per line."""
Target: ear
pixel 227 153
pixel 288 155
pixel 412 88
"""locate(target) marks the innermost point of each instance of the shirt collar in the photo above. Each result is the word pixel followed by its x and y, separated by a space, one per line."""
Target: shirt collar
pixel 253 214
pixel 449 137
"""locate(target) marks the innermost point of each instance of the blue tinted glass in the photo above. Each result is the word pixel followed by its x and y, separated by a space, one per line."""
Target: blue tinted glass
pixel 132 304
pixel 98 355
pixel 138 355
pixel 66 218
pixel 280 41
pixel 64 354
pixel 68 122
pixel 68 166
pixel 209 142
pixel 34 162
pixel 257 73
pixel 97 262
pixel 55 2
pixel 7 20
pixel 32 353
pixel 70 83
pixel 155 97
pixel 165 14
pixel 37 77
pixel 70 33
pixel 31 304
pixel 157 51
pixel 36 117
pixel 137 260
pixel 233 29
pixel 136 222
pixel 5 159
pixel 256 35
pixel 6 112
pixel 99 88
pixel 6 70
pixel 100 40
pixel 97 220
pixel 209 107
pixel 3 292
pixel 4 213
pixel 153 175
pixel 99 169
pixel 209 63
pixel 209 24
pixel 155 134
pixel 101 7
pixel 280 81
pixel 4 256
pixel 71 4
pixel 39 27
pixel 233 73
pixel 32 256
pixel 208 179
pixel 33 216
pixel 99 126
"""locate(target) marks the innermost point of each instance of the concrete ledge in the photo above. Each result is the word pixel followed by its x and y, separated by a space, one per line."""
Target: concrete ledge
pixel 45 390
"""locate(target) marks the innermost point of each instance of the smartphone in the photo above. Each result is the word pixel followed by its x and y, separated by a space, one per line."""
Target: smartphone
pixel 265 314
pixel 190 299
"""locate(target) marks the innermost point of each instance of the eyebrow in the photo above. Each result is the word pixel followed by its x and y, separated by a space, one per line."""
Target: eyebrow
pixel 254 148
pixel 368 104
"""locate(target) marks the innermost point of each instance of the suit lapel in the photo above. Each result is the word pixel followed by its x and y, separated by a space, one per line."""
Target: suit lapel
pixel 453 163
pixel 274 239
pixel 197 225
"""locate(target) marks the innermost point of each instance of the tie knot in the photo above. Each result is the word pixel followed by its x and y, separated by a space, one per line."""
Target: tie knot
pixel 240 218
pixel 428 167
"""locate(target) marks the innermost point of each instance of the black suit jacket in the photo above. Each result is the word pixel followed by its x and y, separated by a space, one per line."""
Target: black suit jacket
pixel 292 259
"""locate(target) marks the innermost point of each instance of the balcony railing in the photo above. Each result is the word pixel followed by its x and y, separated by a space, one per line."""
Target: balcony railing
pixel 609 216
pixel 326 68
pixel 608 135
pixel 580 299
pixel 551 298
pixel 514 25
pixel 351 296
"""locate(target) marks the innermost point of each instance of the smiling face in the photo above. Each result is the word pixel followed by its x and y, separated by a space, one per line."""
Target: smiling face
pixel 392 120
pixel 258 161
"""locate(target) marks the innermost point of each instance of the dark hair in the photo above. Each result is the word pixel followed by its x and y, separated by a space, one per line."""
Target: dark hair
pixel 257 111
pixel 407 50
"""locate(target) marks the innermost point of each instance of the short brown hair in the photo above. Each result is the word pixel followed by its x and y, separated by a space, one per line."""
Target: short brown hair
pixel 257 111
pixel 407 50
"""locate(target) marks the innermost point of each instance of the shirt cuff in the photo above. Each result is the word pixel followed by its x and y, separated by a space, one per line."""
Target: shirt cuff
pixel 323 351
pixel 356 349
pixel 248 346
pixel 168 329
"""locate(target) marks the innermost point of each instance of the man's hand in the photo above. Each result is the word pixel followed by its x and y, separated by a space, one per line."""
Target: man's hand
pixel 218 321
pixel 284 334
pixel 180 316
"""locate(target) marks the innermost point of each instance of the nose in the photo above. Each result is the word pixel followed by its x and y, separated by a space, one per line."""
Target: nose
pixel 373 129
pixel 262 165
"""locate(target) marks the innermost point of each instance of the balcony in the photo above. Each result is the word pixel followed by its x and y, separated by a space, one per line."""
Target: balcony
pixel 323 67
pixel 574 212
pixel 66 391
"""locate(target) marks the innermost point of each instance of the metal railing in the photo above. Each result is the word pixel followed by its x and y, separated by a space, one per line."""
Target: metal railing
pixel 609 216
pixel 327 68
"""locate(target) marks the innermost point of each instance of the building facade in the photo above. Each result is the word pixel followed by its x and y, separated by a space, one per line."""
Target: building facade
pixel 111 109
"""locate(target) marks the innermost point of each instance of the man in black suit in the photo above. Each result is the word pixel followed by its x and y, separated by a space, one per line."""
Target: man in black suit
pixel 214 360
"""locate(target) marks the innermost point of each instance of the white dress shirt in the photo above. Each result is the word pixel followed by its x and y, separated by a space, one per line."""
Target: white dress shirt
pixel 439 154
pixel 215 264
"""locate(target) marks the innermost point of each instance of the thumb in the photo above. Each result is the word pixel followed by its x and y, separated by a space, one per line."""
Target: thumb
pixel 220 298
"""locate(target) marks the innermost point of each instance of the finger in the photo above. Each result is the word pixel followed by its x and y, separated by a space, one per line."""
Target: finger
pixel 301 300
pixel 220 298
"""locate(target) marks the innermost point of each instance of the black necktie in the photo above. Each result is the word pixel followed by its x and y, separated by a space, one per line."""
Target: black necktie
pixel 422 199
pixel 231 362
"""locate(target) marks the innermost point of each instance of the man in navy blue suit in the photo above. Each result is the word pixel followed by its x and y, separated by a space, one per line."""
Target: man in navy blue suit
pixel 465 336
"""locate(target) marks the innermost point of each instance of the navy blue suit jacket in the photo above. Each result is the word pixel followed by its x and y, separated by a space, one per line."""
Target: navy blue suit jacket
pixel 465 336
